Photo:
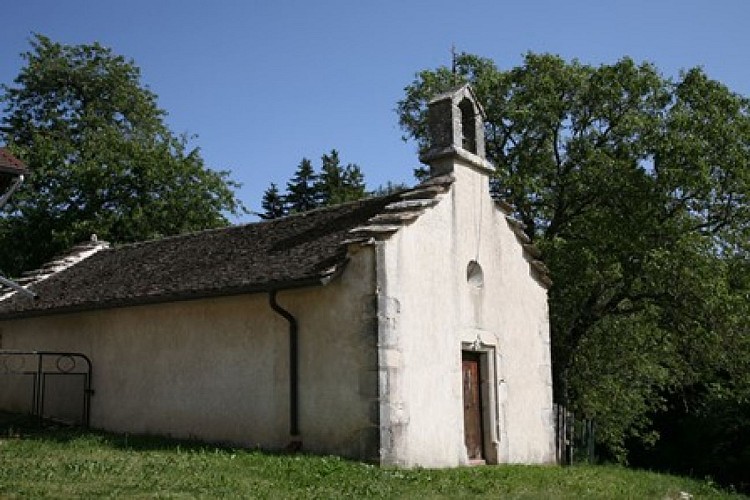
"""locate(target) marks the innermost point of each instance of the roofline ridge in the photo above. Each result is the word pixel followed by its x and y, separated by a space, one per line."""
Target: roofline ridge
pixel 384 221
pixel 330 207
pixel 440 180
pixel 246 224
pixel 130 244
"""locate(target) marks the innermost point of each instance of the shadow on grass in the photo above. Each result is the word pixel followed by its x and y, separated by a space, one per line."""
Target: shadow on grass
pixel 18 426
pixel 27 427
pixel 350 476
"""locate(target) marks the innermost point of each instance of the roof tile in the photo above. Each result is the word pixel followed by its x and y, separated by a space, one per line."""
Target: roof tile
pixel 298 250
pixel 10 168
pixel 9 164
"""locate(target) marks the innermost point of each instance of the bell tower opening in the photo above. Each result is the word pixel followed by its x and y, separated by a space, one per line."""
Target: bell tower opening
pixel 468 126
pixel 455 126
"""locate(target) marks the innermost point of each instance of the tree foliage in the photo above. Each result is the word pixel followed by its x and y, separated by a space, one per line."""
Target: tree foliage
pixel 272 203
pixel 337 183
pixel 636 188
pixel 102 159
pixel 302 189
pixel 306 190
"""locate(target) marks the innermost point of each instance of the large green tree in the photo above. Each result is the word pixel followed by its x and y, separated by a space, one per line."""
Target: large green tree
pixel 102 159
pixel 636 188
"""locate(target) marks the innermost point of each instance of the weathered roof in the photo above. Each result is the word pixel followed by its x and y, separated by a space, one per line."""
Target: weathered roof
pixel 298 250
pixel 9 164
pixel 10 168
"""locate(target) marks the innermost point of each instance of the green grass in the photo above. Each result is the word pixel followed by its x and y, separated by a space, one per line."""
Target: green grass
pixel 62 462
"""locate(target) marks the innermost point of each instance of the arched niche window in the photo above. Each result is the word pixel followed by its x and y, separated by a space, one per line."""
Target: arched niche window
pixel 474 274
pixel 468 126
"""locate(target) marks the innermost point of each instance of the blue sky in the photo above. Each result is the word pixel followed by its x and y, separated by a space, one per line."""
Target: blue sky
pixel 263 84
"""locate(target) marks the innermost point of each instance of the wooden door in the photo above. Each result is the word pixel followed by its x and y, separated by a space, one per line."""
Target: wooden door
pixel 473 436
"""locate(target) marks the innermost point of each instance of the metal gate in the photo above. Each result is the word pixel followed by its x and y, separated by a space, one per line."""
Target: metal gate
pixel 47 384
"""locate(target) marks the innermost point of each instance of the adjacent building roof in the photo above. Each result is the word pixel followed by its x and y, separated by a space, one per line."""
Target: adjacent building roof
pixel 9 164
pixel 298 250
pixel 10 168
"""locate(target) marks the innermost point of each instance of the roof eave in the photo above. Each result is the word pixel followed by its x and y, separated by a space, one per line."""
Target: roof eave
pixel 320 280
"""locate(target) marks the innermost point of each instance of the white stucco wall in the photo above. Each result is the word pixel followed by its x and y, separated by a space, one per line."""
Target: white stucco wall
pixel 380 350
pixel 217 369
pixel 429 311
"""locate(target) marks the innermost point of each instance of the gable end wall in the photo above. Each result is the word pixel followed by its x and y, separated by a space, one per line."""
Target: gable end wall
pixel 429 313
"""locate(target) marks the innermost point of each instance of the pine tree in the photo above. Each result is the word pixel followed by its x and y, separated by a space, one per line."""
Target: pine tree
pixel 330 179
pixel 354 183
pixel 302 191
pixel 273 203
pixel 337 184
pixel 307 190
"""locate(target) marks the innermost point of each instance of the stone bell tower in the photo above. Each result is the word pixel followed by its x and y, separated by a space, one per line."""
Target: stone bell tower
pixel 455 122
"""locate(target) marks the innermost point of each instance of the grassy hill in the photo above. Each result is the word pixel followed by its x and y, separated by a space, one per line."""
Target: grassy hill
pixel 63 462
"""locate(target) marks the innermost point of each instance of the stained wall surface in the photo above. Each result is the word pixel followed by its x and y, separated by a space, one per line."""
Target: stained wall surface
pixel 380 350
pixel 430 312
pixel 218 369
